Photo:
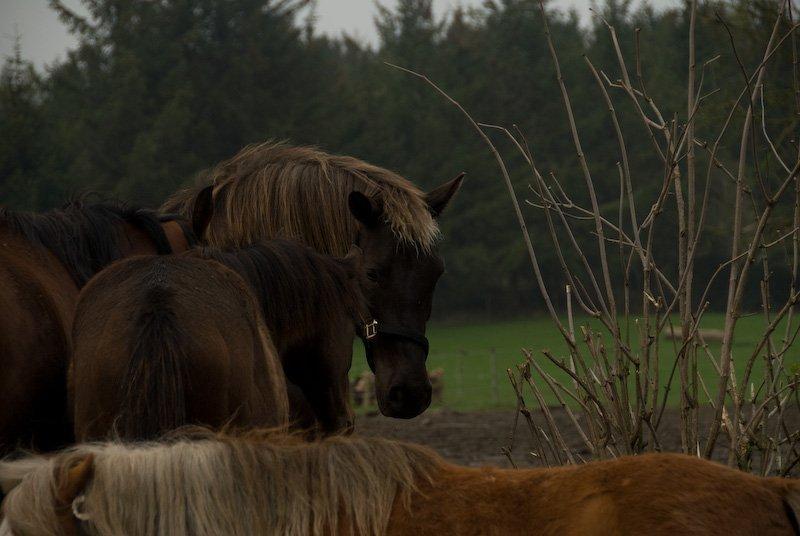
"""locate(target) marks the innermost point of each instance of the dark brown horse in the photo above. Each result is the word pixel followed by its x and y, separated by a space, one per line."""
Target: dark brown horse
pixel 330 202
pixel 312 304
pixel 44 260
pixel 162 342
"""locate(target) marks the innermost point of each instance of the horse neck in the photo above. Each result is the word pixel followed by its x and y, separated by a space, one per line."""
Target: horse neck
pixel 98 243
pixel 138 242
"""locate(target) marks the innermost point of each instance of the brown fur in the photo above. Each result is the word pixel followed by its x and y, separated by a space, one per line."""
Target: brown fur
pixel 376 486
pixel 44 259
pixel 275 190
pixel 311 303
pixel 161 342
pixel 655 494
pixel 330 202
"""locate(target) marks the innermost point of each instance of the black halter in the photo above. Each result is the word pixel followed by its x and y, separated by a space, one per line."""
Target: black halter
pixel 370 330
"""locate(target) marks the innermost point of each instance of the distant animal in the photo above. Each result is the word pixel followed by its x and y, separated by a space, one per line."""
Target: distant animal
pixel 437 385
pixel 311 304
pixel 707 335
pixel 329 202
pixel 263 483
pixel 163 342
pixel 45 258
pixel 363 388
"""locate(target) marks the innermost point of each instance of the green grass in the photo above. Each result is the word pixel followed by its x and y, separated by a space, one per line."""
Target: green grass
pixel 473 381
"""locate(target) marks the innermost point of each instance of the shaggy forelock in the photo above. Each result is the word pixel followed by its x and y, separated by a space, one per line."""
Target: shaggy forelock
pixel 254 484
pixel 274 190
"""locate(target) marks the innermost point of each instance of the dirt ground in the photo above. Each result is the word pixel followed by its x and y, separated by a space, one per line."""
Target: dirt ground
pixel 476 438
pixel 464 438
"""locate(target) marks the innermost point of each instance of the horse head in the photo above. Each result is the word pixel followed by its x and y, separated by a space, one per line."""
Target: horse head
pixel 403 278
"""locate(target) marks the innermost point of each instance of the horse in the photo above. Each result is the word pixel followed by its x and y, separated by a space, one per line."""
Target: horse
pixel 162 342
pixel 45 258
pixel 437 384
pixel 363 388
pixel 268 483
pixel 311 304
pixel 330 202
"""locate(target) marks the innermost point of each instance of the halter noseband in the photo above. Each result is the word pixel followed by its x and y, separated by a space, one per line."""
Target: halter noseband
pixel 370 330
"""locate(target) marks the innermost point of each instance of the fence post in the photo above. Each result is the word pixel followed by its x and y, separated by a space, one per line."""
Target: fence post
pixel 495 393
pixel 463 355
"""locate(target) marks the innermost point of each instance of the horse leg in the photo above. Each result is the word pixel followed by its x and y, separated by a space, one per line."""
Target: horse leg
pixel 324 386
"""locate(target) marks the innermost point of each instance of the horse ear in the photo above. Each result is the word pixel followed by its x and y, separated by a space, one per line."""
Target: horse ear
pixel 203 210
pixel 70 483
pixel 439 197
pixel 363 209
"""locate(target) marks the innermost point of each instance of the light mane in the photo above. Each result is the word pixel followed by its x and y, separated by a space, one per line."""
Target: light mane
pixel 274 190
pixel 256 484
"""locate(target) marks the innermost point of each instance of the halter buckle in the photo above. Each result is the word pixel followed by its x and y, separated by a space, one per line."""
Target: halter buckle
pixel 371 330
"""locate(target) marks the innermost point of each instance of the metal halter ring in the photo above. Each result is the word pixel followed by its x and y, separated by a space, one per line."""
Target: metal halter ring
pixel 371 330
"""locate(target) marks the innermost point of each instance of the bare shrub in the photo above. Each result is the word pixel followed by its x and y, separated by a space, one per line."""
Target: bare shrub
pixel 610 384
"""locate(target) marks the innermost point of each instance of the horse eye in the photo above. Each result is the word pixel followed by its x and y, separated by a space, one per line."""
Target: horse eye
pixel 372 275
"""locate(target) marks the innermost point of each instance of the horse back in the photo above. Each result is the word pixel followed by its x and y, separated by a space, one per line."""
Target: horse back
pixel 657 494
pixel 38 298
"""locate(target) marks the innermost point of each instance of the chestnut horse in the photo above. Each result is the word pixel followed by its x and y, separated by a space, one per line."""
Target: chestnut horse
pixel 161 342
pixel 311 304
pixel 44 260
pixel 264 483
pixel 330 202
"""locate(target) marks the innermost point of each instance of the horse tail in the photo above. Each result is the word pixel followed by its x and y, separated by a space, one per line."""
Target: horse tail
pixel 154 401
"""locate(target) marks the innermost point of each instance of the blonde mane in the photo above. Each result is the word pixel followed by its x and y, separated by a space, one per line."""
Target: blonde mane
pixel 273 190
pixel 259 483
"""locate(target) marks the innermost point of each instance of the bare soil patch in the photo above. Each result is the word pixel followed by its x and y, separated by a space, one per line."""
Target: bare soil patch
pixel 476 438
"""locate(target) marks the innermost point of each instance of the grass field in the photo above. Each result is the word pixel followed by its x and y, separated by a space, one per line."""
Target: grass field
pixel 474 380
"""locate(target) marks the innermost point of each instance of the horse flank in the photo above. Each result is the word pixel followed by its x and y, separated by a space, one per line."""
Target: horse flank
pixel 85 237
pixel 274 190
pixel 257 483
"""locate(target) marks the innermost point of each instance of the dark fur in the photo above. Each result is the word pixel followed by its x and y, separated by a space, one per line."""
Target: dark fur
pixel 300 290
pixel 86 237
pixel 311 304
pixel 330 202
pixel 155 400
pixel 44 260
pixel 790 513
pixel 162 342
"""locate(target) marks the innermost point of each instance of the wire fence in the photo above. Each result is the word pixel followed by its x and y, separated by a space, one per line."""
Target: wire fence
pixel 466 380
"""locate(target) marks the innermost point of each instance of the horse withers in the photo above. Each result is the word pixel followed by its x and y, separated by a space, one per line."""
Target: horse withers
pixel 374 486
pixel 45 258
pixel 164 342
pixel 330 202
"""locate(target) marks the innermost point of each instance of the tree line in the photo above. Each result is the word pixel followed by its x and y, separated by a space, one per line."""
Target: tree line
pixel 156 92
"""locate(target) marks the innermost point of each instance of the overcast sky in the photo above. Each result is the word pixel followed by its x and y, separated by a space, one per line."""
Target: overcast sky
pixel 44 38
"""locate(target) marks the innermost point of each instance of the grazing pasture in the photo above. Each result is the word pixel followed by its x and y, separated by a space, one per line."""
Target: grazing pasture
pixel 465 351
